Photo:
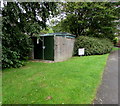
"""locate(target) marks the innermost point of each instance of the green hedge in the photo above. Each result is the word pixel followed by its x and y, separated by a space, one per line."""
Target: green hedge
pixel 92 45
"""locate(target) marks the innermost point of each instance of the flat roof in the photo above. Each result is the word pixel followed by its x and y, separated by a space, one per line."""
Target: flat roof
pixel 59 34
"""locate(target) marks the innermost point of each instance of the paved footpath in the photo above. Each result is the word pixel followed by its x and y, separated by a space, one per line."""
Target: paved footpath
pixel 108 90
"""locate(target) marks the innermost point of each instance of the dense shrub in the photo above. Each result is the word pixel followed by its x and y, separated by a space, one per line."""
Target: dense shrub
pixel 93 46
pixel 15 50
pixel 10 58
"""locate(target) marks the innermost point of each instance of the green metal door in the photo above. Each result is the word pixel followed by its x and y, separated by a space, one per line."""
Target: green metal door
pixel 49 48
pixel 38 51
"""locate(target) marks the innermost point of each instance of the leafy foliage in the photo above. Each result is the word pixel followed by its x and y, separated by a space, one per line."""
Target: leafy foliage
pixel 96 19
pixel 20 21
pixel 93 46
pixel 115 41
pixel 47 30
pixel 58 28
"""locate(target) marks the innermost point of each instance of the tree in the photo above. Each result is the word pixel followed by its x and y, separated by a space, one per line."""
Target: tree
pixel 20 21
pixel 90 18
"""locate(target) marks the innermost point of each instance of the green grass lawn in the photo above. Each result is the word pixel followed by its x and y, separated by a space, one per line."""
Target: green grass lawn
pixel 115 48
pixel 70 82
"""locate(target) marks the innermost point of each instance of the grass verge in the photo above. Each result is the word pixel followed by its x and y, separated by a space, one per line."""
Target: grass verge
pixel 115 48
pixel 70 82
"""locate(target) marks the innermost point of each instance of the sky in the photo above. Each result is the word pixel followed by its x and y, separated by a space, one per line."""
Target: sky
pixel 1 3
pixel 57 19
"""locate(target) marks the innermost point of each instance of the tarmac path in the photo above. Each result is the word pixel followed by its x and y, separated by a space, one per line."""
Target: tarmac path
pixel 108 90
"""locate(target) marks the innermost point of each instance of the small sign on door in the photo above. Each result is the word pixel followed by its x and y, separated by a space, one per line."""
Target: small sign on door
pixel 37 41
pixel 43 47
pixel 81 51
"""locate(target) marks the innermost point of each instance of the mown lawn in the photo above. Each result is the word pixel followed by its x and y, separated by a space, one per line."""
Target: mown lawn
pixel 115 48
pixel 70 82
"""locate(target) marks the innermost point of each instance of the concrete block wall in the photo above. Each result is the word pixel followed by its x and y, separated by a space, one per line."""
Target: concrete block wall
pixel 63 48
